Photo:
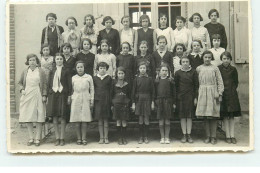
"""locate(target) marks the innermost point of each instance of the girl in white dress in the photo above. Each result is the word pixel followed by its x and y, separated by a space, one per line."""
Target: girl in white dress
pixel 82 102
pixel 33 87
pixel 216 50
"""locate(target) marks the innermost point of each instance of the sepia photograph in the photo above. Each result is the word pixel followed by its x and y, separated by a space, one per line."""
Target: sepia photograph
pixel 129 76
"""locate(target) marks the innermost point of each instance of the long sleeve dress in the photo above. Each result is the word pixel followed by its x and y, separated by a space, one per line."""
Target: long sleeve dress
pixel 210 88
pixel 195 60
pixel 83 95
pixel 230 105
pixel 88 60
pixel 113 38
pixel 147 60
pixel 201 33
pixel 182 36
pixel 110 59
pixel 167 32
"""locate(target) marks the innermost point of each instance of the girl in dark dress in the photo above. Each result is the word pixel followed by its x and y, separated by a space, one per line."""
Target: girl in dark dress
pixel 127 61
pixel 143 100
pixel 86 56
pixel 69 60
pixel 110 34
pixel 230 106
pixel 102 100
pixel 216 28
pixel 195 56
pixel 165 102
pixel 59 97
pixel 120 103
pixel 186 81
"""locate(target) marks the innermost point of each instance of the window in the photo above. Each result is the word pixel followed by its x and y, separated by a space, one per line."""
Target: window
pixel 171 9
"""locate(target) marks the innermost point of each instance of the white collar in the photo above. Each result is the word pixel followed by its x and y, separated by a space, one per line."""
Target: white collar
pixel 101 77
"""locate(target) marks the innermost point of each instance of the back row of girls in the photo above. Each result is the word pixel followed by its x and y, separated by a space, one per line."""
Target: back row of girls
pixel 55 35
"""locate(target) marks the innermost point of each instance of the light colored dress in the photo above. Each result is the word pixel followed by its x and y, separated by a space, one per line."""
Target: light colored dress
pixel 73 37
pixel 216 54
pixel 110 59
pixel 47 66
pixel 201 33
pixel 210 88
pixel 31 105
pixel 176 63
pixel 182 36
pixel 167 33
pixel 92 37
pixel 128 36
pixel 83 95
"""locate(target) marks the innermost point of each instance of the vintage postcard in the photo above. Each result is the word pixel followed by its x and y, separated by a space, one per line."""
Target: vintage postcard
pixel 129 76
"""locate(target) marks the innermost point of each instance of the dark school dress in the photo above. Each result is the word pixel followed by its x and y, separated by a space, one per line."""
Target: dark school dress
pixel 187 85
pixel 70 65
pixel 88 60
pixel 195 60
pixel 102 97
pixel 147 60
pixel 113 38
pixel 217 29
pixel 143 93
pixel 52 39
pixel 128 62
pixel 147 36
pixel 157 61
pixel 57 101
pixel 230 105
pixel 121 100
pixel 165 97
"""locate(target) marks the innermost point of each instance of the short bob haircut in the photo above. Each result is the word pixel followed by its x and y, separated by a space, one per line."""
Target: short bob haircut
pixel 213 11
pixel 144 16
pixel 195 14
pixel 51 15
pixel 206 53
pixel 125 42
pixel 198 42
pixel 82 41
pixel 92 18
pixel 160 38
pixel 162 15
pixel 79 62
pixel 120 68
pixel 29 56
pixel 106 19
pixel 227 54
pixel 102 64
pixel 184 57
pixel 144 42
pixel 72 18
pixel 43 46
pixel 58 54
pixel 146 65
pixel 175 47
pixel 180 18
pixel 215 36
pixel 66 45
pixel 101 42
pixel 130 20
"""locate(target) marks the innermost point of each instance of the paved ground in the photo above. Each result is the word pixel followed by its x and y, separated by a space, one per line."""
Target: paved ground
pixel 19 138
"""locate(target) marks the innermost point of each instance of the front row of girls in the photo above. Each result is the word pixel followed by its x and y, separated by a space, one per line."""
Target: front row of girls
pixel 216 96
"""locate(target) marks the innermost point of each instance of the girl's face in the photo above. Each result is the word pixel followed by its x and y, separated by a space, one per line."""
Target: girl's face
pixel 196 20
pixel 51 21
pixel 80 69
pixel 125 49
pixel 179 24
pixel 213 17
pixel 196 46
pixel 207 59
pixel 66 50
pixel 104 47
pixel 185 63
pixel 89 21
pixel 162 44
pixel 32 62
pixel 226 60
pixel 86 45
pixel 143 48
pixel 59 60
pixel 120 75
pixel 142 69
pixel 126 22
pixel 179 50
pixel 108 24
pixel 163 21
pixel 71 24
pixel 102 71
pixel 164 72
pixel 216 43
pixel 145 23
pixel 46 51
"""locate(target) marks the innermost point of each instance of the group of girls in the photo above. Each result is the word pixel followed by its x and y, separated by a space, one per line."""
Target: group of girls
pixel 98 73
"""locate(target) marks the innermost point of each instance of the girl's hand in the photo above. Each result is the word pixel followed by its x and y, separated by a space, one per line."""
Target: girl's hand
pixel 133 107
pixel 91 104
pixel 112 107
pixel 195 101
pixel 69 100
pixel 44 99
pixel 152 106
pixel 23 92
pixel 220 98
pixel 174 106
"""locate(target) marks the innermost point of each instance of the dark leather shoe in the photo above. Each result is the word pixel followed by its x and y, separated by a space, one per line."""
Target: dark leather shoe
pixel 228 140
pixel 207 140
pixel 213 141
pixel 233 140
